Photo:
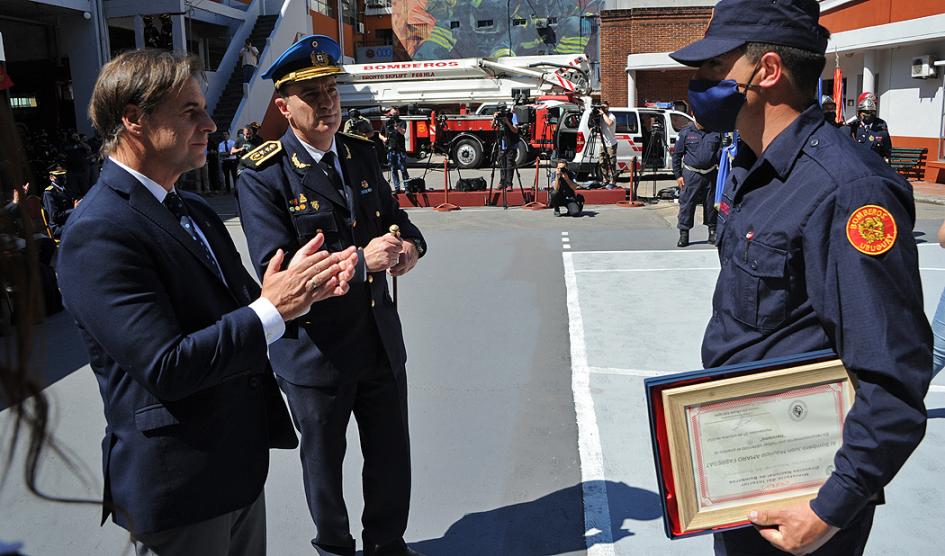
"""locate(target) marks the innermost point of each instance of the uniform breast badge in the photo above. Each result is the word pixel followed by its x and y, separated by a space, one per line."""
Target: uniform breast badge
pixel 872 230
pixel 298 163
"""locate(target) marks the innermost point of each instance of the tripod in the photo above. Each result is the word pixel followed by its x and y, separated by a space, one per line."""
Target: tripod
pixel 597 135
pixel 656 137
pixel 497 126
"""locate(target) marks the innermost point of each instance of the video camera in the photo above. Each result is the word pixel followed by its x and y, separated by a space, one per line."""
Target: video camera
pixel 594 119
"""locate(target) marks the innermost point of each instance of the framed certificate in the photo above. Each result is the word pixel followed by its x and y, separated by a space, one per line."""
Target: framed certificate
pixel 729 441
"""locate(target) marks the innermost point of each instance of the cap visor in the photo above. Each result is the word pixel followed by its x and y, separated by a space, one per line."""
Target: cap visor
pixel 705 49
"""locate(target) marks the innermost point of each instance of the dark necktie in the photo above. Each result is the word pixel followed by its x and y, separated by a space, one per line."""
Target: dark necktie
pixel 175 204
pixel 327 164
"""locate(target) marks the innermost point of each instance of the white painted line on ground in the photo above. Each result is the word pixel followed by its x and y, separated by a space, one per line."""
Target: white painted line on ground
pixel 930 268
pixel 634 251
pixel 566 246
pixel 626 372
pixel 564 233
pixel 591 271
pixel 936 388
pixel 594 489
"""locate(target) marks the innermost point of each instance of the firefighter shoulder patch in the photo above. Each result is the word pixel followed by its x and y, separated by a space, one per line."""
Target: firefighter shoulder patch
pixel 258 157
pixel 872 230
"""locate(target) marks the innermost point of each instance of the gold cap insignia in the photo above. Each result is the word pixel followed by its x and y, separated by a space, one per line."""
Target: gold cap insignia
pixel 319 59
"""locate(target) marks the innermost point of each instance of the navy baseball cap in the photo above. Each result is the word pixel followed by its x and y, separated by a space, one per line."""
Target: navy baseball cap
pixel 310 57
pixel 738 22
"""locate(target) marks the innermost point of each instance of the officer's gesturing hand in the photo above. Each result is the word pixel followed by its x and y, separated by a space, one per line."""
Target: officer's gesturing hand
pixel 293 290
pixel 795 529
pixel 383 252
pixel 408 259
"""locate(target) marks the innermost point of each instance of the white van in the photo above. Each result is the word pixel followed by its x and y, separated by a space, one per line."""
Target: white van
pixel 635 139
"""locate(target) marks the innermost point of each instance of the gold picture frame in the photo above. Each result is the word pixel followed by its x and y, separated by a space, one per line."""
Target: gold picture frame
pixel 754 442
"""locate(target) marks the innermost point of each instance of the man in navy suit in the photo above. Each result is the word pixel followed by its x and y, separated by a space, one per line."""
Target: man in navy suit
pixel 177 331
pixel 347 355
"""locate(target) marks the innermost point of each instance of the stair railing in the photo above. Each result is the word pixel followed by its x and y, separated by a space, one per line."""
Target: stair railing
pixel 228 64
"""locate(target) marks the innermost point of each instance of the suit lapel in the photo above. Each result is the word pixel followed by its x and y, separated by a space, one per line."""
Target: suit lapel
pixel 232 269
pixel 351 173
pixel 141 200
pixel 313 177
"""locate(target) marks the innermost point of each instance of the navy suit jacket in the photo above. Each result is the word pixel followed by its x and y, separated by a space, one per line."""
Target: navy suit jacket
pixel 285 200
pixel 190 400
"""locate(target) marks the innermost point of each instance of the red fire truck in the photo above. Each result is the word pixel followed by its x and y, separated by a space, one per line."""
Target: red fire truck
pixel 439 93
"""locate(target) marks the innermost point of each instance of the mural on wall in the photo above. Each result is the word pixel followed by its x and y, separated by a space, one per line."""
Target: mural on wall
pixel 436 29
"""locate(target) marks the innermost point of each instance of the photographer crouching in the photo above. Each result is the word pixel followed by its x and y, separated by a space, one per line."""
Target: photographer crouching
pixel 506 125
pixel 563 196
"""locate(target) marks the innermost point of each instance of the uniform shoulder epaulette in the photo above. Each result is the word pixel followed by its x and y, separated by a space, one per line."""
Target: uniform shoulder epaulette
pixel 50 187
pixel 357 137
pixel 258 157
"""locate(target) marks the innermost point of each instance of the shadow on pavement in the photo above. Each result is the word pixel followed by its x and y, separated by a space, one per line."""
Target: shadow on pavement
pixel 552 524
pixel 58 350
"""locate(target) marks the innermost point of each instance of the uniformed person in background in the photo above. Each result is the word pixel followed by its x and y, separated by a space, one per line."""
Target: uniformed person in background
pixel 868 129
pixel 696 165
pixel 358 124
pixel 347 355
pixel 829 107
pixel 816 252
pixel 58 202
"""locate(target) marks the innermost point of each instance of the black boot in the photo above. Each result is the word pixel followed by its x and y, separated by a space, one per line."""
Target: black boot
pixel 711 236
pixel 683 239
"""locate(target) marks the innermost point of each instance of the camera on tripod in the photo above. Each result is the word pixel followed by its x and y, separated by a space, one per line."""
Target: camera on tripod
pixel 594 119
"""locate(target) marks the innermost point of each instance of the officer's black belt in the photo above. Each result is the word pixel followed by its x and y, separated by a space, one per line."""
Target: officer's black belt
pixel 700 171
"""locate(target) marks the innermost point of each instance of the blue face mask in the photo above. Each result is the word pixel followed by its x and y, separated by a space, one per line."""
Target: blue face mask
pixel 716 104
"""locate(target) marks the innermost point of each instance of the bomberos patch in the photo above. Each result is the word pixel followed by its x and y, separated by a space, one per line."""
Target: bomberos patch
pixel 872 230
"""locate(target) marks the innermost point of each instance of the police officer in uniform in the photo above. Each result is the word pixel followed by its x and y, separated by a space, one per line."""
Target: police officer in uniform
pixel 696 166
pixel 58 202
pixel 816 250
pixel 506 125
pixel 870 130
pixel 347 356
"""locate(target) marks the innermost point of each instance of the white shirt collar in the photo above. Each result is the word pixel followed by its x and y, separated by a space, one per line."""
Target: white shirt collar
pixel 154 187
pixel 316 153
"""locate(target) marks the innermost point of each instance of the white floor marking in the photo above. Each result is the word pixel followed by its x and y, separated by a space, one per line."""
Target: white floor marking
pixel 596 508
pixel 608 270
pixel 626 372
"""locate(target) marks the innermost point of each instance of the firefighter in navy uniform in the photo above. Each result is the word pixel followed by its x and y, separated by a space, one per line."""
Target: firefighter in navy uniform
pixel 816 251
pixel 57 202
pixel 870 130
pixel 696 166
pixel 347 356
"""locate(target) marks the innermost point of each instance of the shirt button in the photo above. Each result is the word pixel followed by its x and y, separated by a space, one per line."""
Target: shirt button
pixel 372 303
pixel 754 265
pixel 370 279
pixel 354 224
pixel 814 142
pixel 377 213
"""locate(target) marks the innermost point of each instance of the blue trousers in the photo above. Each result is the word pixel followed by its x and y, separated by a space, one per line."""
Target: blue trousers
pixel 398 163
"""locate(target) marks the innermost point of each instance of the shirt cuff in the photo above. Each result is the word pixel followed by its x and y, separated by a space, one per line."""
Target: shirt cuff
pixel 271 319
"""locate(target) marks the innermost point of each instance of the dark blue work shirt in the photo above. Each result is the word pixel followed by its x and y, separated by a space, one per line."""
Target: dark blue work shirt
pixel 697 148
pixel 792 280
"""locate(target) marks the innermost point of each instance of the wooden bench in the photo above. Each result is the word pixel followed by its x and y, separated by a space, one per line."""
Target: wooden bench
pixel 908 162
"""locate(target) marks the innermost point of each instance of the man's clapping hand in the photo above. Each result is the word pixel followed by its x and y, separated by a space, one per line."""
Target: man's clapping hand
pixel 311 276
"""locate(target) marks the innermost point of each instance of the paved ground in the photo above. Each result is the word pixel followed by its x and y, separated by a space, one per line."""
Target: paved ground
pixel 511 318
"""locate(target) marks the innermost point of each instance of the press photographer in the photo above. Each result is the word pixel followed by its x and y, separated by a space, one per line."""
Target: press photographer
pixel 506 125
pixel 607 123
pixel 394 137
pixel 563 196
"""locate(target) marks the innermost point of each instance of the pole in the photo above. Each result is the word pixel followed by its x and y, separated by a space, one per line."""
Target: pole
pixel 631 197
pixel 395 230
pixel 446 205
pixel 535 204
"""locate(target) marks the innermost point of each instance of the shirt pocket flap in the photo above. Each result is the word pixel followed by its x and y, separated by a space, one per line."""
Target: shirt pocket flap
pixel 154 417
pixel 309 224
pixel 763 261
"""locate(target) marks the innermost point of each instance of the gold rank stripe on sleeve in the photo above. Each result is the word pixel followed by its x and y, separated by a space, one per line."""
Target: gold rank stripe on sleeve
pixel 258 156
pixel 872 230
